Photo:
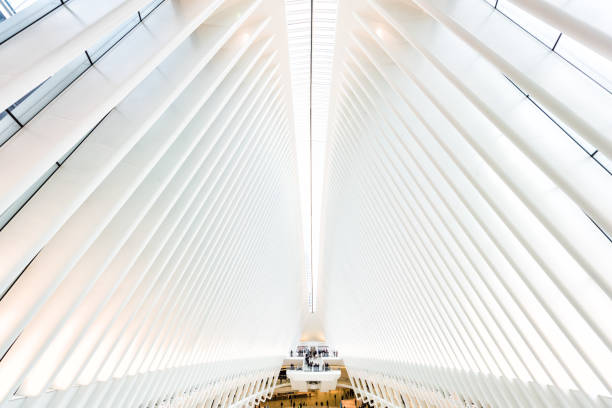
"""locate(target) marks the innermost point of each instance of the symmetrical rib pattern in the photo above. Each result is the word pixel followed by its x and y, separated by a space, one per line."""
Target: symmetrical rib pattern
pixel 151 240
pixel 467 258
pixel 149 201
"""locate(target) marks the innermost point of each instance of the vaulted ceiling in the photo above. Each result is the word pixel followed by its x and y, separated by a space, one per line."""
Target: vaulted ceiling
pixel 187 187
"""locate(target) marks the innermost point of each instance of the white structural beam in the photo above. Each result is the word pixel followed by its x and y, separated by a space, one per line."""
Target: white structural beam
pixel 150 206
pixel 466 232
pixel 156 174
pixel 56 40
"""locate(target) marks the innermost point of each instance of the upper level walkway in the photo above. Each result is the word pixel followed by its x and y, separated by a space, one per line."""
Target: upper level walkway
pixel 313 366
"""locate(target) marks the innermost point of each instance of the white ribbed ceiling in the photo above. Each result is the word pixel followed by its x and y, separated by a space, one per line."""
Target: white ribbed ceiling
pixel 467 252
pixel 163 165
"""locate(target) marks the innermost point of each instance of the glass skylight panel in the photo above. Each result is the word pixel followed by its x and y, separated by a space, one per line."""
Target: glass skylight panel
pixel 8 214
pixel 9 8
pixel 39 97
pixel 15 16
pixel 19 5
pixel 586 146
pixel 98 50
pixel 588 61
pixel 595 13
pixel 324 39
pixel 311 168
pixel 298 32
pixel 542 31
pixel 149 8
pixel 604 161
pixel 8 127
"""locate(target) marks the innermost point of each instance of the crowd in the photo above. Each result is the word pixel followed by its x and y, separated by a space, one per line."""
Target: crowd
pixel 313 351
pixel 313 359
pixel 315 364
pixel 331 399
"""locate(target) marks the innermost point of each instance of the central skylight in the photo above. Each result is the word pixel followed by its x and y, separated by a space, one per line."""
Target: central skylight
pixel 311 145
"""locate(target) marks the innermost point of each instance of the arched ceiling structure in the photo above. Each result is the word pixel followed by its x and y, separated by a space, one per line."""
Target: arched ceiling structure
pixel 169 169
pixel 466 236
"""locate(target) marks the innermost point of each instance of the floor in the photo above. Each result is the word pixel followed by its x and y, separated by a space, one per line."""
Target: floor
pixel 313 399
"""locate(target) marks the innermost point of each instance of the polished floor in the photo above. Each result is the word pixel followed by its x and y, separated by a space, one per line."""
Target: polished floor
pixel 313 399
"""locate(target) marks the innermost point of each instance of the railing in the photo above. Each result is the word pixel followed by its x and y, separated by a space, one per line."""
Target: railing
pixel 310 368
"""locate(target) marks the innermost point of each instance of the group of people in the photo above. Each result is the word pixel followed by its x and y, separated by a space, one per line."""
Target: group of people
pixel 300 401
pixel 294 404
pixel 313 360
pixel 321 352
pixel 315 364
